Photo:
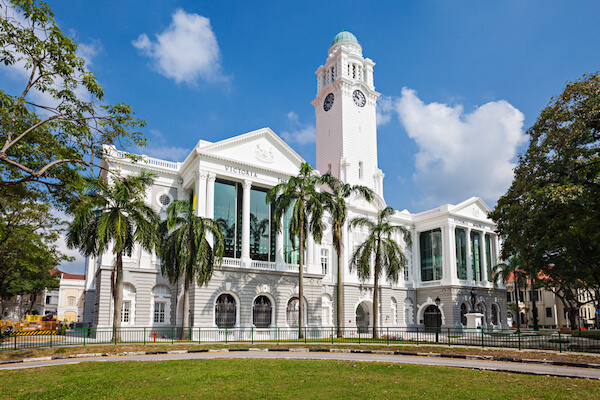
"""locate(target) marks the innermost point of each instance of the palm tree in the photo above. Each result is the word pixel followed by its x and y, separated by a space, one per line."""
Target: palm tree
pixel 512 267
pixel 300 194
pixel 340 191
pixel 185 250
pixel 380 247
pixel 113 216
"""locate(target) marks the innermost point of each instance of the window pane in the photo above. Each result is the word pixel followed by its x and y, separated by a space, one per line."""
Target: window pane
pixel 431 255
pixel 259 225
pixel 225 214
pixel 293 312
pixel 461 253
pixel 261 312
pixel 324 261
pixel 225 311
pixel 291 252
pixel 489 258
pixel 125 311
pixel 476 255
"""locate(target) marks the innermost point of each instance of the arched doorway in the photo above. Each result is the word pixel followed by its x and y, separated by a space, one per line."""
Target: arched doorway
pixel 363 317
pixel 226 311
pixel 432 317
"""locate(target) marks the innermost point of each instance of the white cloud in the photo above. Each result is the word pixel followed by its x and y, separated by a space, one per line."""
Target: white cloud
pixel 385 110
pixel 78 265
pixel 461 154
pixel 185 51
pixel 299 133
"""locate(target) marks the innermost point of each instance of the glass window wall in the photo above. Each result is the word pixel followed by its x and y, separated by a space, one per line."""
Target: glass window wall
pixel 476 255
pixel 461 253
pixel 431 255
pixel 488 257
pixel 228 214
pixel 260 226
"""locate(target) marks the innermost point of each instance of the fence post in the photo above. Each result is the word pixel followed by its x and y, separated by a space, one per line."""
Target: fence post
pixel 388 335
pixel 84 335
pixel 226 335
pixel 144 336
pixel 332 335
pixel 449 344
pixel 115 334
pixel 15 333
pixel 305 335
pixel 519 334
pixel 559 342
pixel 358 335
pixel 417 335
pixel 172 334
pixel 482 345
pixel 277 335
pixel 199 329
pixel 50 339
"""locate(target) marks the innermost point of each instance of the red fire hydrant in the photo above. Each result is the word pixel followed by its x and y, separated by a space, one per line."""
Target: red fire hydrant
pixel 155 333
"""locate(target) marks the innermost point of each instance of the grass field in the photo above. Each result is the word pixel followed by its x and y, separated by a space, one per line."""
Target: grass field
pixel 281 379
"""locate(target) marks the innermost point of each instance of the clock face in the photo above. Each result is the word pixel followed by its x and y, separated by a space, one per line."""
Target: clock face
pixel 359 98
pixel 328 102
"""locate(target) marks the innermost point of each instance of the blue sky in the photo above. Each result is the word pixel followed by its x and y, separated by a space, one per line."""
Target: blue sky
pixel 461 81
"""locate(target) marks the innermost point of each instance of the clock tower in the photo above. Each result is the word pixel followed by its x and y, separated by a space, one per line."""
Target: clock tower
pixel 345 108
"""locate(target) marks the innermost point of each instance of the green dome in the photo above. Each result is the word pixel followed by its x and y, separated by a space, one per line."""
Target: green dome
pixel 344 36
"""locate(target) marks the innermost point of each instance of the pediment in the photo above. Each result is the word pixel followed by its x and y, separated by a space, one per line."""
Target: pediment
pixel 473 208
pixel 261 148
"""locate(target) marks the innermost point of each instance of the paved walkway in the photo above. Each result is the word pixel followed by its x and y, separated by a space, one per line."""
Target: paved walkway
pixel 304 354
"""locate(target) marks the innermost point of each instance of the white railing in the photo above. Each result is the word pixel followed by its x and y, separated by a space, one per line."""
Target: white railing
pixel 294 267
pixel 263 265
pixel 232 262
pixel 148 160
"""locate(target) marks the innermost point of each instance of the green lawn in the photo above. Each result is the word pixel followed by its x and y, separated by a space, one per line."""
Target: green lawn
pixel 281 379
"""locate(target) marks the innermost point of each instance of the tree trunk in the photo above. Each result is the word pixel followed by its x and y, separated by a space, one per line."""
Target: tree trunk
pixel 185 334
pixel 301 285
pixel 533 306
pixel 118 297
pixel 376 297
pixel 340 297
pixel 517 310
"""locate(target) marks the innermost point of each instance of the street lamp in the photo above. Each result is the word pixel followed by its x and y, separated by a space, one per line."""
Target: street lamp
pixel 438 319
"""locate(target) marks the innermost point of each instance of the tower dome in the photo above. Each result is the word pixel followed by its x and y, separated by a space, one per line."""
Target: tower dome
pixel 346 40
pixel 344 36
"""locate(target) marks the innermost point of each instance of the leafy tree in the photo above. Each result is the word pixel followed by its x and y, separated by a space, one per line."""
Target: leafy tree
pixel 185 249
pixel 340 191
pixel 300 194
pixel 57 125
pixel 112 216
pixel 28 251
pixel 550 215
pixel 381 248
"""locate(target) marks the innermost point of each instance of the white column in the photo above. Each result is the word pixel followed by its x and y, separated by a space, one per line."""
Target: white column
pixel 246 222
pixel 482 257
pixel 416 276
pixel 200 193
pixel 210 201
pixel 450 275
pixel 469 258
pixel 279 261
pixel 310 253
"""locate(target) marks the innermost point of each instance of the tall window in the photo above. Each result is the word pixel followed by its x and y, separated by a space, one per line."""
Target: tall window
pixel 291 251
pixel 431 255
pixel 71 300
pixel 476 255
pixel 324 261
pixel 225 311
pixel 227 207
pixel 261 240
pixel 360 170
pixel 488 257
pixel 159 312
pixel 125 311
pixel 262 311
pixel 461 253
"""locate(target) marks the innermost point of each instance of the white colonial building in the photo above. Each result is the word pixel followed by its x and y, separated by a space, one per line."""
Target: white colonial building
pixel 451 258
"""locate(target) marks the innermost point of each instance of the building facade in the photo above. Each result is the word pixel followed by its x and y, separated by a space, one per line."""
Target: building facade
pixel 453 249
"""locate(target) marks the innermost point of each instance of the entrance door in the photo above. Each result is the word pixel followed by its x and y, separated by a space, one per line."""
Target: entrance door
pixel 362 318
pixel 432 317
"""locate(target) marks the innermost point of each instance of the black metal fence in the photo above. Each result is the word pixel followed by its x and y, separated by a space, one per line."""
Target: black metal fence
pixel 584 341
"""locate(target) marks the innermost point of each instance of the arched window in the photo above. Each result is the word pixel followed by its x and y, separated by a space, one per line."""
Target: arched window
pixel 495 314
pixel 463 314
pixel 394 311
pixel 408 311
pixel 262 312
pixel 225 310
pixel 292 312
pixel 161 304
pixel 326 306
pixel 128 305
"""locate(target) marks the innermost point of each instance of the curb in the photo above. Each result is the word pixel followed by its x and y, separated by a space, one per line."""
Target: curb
pixel 307 350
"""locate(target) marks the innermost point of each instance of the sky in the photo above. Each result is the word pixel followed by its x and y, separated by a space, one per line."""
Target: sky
pixel 460 81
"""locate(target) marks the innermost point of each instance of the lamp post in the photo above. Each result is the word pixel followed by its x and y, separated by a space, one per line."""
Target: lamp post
pixel 438 320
